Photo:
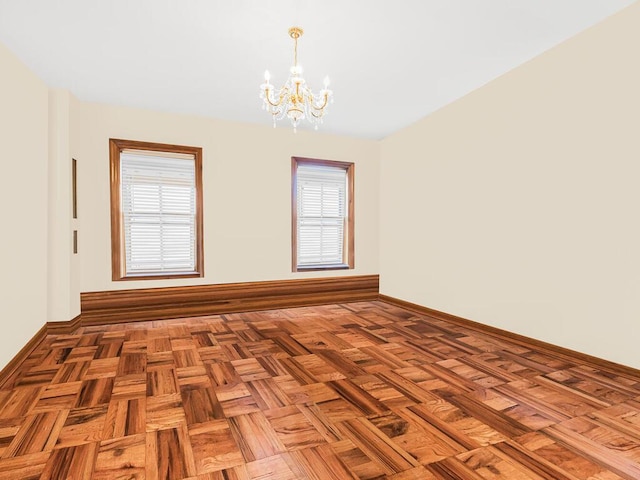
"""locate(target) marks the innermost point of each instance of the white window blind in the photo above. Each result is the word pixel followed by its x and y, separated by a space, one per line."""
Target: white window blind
pixel 321 210
pixel 159 212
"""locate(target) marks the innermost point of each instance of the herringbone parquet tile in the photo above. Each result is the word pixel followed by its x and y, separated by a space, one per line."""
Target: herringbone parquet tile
pixel 356 391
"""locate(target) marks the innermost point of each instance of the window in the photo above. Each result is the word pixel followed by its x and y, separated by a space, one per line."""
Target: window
pixel 156 210
pixel 322 214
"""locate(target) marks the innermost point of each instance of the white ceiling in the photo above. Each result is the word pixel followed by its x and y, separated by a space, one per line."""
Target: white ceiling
pixel 390 62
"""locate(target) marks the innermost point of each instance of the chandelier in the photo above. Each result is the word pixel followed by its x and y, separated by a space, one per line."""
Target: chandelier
pixel 295 100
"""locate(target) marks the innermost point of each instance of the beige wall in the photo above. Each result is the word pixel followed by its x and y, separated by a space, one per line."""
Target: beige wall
pixel 247 192
pixel 23 194
pixel 63 281
pixel 517 206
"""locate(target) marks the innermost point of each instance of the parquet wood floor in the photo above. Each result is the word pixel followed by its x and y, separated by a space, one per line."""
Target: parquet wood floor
pixel 355 391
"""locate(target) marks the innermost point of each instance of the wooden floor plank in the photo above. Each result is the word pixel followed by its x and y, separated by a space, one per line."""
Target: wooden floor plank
pixel 364 390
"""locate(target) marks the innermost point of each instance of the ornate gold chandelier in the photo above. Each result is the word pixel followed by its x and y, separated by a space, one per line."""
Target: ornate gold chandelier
pixel 295 100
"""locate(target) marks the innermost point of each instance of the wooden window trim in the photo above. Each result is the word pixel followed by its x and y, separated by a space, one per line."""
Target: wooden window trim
pixel 349 240
pixel 118 258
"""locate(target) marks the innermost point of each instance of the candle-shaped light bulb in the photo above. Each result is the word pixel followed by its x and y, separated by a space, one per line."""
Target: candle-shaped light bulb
pixel 267 76
pixel 326 82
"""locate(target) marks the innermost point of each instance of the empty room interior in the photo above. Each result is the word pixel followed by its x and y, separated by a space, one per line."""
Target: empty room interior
pixel 429 268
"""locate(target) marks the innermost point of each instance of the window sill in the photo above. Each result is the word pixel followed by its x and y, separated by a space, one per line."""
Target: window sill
pixel 311 268
pixel 158 276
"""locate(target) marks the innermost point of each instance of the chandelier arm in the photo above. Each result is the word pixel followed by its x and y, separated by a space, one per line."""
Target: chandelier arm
pixel 278 103
pixel 326 101
pixel 274 104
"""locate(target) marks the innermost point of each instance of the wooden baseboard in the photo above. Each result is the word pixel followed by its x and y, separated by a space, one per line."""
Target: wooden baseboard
pixel 49 328
pixel 11 368
pixel 99 308
pixel 528 342
pixel 63 328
